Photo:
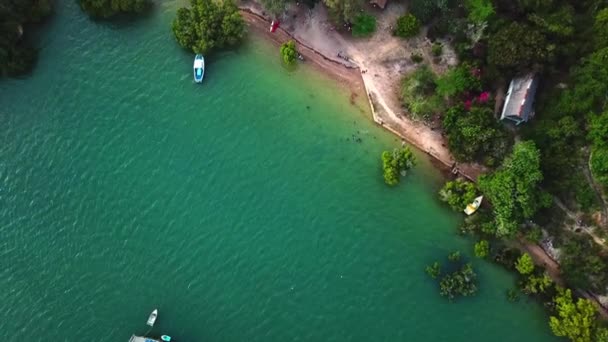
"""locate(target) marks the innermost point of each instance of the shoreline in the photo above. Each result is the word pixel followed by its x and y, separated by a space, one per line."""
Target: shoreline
pixel 349 76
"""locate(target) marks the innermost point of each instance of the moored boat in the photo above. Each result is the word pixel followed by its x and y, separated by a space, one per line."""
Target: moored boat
pixel 152 318
pixel 199 68
pixel 472 207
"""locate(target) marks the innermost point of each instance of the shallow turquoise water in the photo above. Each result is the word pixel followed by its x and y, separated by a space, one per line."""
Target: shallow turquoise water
pixel 241 208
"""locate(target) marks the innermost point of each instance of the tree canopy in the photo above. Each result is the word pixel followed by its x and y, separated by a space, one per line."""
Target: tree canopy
pixel 289 52
pixel 575 320
pixel 517 46
pixel 513 188
pixel 407 26
pixel 475 135
pixel 208 25
pixel 395 163
pixel 110 8
pixel 343 11
pixel 17 56
pixel 524 264
pixel 458 193
pixel 364 25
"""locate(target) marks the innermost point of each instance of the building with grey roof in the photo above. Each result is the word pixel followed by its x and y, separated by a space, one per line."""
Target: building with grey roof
pixel 519 103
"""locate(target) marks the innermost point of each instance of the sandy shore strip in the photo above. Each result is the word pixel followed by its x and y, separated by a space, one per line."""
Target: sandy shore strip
pixel 349 77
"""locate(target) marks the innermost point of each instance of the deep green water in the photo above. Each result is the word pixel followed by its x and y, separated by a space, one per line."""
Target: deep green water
pixel 238 208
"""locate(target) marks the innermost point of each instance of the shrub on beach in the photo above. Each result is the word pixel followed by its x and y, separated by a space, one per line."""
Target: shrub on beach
pixel 364 25
pixel 208 25
pixel 407 26
pixel 418 94
pixel 289 52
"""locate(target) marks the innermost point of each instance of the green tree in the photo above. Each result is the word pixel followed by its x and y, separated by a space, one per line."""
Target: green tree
pixel 599 165
pixel 343 11
pixel 275 7
pixel 364 25
pixel 517 46
pixel 513 188
pixel 524 264
pixel 598 129
pixel 110 8
pixel 397 162
pixel 407 26
pixel 482 249
pixel 537 284
pixel 480 10
pixel 600 26
pixel 458 80
pixel 574 320
pixel 433 270
pixel 581 263
pixel 475 135
pixel 458 193
pixel 17 55
pixel 462 282
pixel 454 256
pixel 208 25
pixel 289 52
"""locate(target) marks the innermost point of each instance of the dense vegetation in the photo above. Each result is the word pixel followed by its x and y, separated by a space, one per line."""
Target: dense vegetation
pixel 407 26
pixel 364 25
pixel 289 52
pixel 397 163
pixel 17 56
pixel 208 25
pixel 513 189
pixel 459 279
pixel 110 8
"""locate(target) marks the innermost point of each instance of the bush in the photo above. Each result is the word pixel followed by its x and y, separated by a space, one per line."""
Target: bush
pixel 418 94
pixel 454 256
pixel 17 57
pixel 208 25
pixel 461 282
pixel 482 249
pixel 289 52
pixel 417 58
pixel 407 26
pixel 524 265
pixel 364 25
pixel 433 270
pixel 109 8
pixel 457 81
pixel 458 194
pixel 475 135
pixel 437 49
pixel 395 163
pixel 599 165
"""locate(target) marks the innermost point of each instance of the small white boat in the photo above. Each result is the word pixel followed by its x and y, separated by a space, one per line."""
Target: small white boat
pixel 199 68
pixel 472 207
pixel 152 318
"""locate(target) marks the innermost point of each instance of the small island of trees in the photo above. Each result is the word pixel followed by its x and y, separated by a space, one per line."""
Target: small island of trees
pixel 110 8
pixel 17 56
pixel 397 163
pixel 208 25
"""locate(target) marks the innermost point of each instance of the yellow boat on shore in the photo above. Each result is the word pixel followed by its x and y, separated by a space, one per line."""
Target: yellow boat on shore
pixel 472 207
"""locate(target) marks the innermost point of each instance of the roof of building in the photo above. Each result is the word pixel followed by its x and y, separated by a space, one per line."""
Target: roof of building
pixel 520 98
pixel 379 3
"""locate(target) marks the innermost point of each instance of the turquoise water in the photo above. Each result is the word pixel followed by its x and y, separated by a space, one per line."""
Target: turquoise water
pixel 241 208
